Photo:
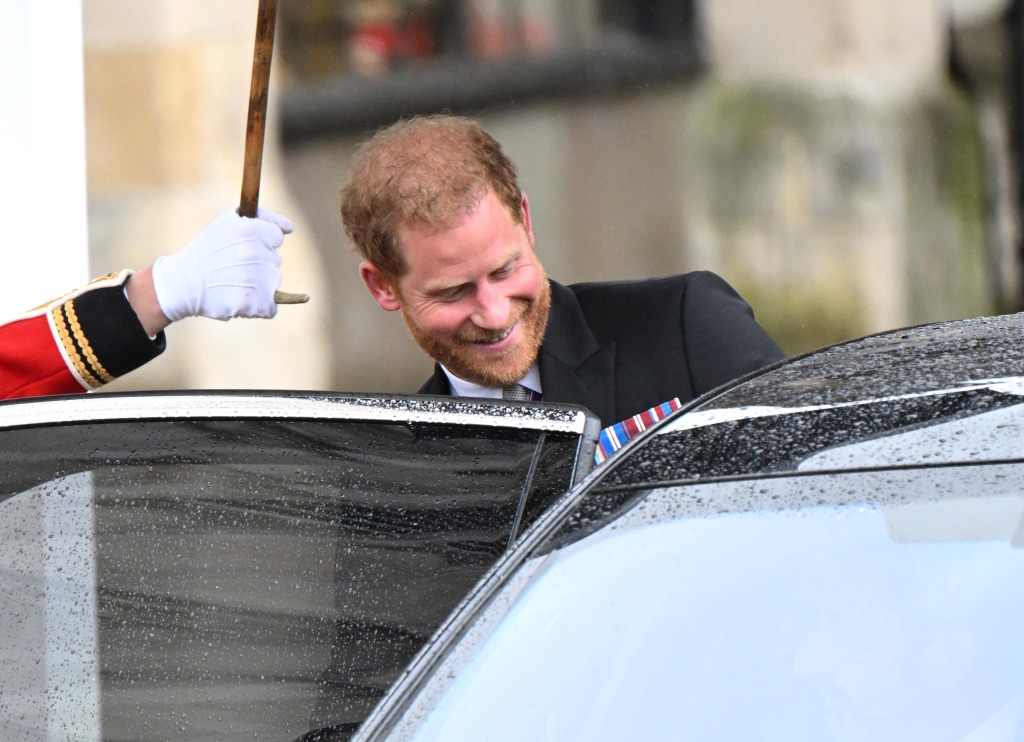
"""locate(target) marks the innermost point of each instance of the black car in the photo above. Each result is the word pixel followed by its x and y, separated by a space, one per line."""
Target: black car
pixel 827 549
pixel 832 549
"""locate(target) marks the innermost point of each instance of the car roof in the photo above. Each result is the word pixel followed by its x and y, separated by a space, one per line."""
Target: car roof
pixel 914 360
pixel 844 395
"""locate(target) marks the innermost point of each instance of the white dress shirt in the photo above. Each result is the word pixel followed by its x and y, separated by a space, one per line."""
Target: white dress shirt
pixel 463 388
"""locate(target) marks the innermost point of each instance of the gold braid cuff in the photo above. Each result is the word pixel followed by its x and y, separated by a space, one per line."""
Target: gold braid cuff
pixel 76 346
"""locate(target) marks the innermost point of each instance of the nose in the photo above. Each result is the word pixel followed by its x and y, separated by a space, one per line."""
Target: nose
pixel 492 308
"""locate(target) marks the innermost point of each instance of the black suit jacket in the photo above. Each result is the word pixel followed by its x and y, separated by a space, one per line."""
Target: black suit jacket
pixel 620 348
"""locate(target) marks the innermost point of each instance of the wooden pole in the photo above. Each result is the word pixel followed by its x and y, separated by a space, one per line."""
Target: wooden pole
pixel 256 125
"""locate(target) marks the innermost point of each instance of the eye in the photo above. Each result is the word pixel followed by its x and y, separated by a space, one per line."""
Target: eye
pixel 451 294
pixel 505 269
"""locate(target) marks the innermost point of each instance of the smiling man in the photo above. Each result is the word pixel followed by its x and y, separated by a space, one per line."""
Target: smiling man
pixel 434 207
pixel 474 296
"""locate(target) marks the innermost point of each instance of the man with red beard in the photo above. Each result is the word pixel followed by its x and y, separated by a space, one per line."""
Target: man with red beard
pixel 433 206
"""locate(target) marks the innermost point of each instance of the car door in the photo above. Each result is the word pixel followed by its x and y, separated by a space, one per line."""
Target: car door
pixel 249 565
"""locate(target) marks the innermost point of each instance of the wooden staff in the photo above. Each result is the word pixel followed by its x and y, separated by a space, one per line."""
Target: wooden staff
pixel 255 128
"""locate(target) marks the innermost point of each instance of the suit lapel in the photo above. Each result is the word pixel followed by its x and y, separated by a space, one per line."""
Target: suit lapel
pixel 574 367
pixel 436 384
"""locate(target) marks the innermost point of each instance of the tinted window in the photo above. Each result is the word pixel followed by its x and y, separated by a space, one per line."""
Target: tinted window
pixel 242 579
pixel 864 606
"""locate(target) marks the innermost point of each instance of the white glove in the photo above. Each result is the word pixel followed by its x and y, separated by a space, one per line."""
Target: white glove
pixel 229 270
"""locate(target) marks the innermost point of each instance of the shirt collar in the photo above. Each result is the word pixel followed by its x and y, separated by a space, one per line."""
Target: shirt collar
pixel 463 388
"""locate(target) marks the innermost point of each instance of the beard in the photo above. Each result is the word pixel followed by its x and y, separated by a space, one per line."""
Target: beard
pixel 461 356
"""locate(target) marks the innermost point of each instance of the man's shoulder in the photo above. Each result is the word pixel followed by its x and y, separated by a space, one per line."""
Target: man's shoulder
pixel 646 294
pixel 590 290
pixel 619 310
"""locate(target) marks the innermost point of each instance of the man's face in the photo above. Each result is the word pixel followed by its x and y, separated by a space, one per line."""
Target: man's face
pixel 475 297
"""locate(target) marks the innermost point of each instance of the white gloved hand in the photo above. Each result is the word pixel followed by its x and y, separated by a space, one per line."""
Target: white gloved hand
pixel 229 270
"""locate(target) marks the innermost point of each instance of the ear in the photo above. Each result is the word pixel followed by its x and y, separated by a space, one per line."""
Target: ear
pixel 380 288
pixel 527 224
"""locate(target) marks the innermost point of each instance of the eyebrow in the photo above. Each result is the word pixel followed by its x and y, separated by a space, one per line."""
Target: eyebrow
pixel 440 290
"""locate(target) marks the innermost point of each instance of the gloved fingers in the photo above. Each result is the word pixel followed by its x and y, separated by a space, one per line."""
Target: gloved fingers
pixel 243 288
pixel 229 270
pixel 282 222
pixel 274 258
pixel 263 231
pixel 257 301
pixel 230 302
pixel 265 306
pixel 239 255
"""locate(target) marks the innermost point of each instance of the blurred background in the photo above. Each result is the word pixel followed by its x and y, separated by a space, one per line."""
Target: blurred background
pixel 849 166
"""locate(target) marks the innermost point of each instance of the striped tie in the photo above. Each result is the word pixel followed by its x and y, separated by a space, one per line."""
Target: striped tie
pixel 520 392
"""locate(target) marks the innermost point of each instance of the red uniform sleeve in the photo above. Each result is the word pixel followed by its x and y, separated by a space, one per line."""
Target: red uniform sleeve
pixel 76 343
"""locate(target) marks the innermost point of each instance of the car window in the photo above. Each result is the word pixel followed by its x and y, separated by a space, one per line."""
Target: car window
pixel 861 606
pixel 244 578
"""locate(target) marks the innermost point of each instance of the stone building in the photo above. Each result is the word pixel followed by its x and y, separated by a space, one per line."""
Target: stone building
pixel 818 154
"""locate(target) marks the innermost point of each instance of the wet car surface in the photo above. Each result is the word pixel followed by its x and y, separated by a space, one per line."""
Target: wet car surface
pixel 248 565
pixel 830 549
